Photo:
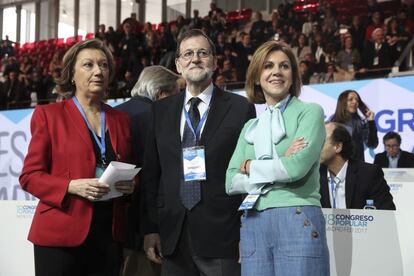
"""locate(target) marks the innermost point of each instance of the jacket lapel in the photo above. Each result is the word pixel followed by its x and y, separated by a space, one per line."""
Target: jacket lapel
pixel 219 107
pixel 78 122
pixel 324 188
pixel 351 182
pixel 386 161
pixel 176 110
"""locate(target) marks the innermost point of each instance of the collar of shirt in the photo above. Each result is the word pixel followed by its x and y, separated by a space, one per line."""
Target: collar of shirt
pixel 340 180
pixel 205 98
pixel 395 157
pixel 393 161
pixel 282 104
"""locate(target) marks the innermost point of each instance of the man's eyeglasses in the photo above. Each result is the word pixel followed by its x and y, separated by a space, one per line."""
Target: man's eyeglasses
pixel 189 54
pixel 392 146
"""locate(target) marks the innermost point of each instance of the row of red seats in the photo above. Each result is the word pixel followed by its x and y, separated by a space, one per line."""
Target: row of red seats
pixel 51 43
pixel 345 8
pixel 44 48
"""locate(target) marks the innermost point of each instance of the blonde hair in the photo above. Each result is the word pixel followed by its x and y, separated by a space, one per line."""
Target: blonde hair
pixel 69 61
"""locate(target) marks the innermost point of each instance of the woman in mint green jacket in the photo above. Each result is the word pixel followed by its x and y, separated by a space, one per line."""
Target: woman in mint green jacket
pixel 276 162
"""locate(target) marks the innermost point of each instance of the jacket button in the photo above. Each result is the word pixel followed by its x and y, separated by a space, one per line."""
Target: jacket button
pixel 315 234
pixel 298 211
pixel 306 223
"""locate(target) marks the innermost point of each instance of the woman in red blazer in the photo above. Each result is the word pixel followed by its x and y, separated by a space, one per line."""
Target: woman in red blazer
pixel 72 141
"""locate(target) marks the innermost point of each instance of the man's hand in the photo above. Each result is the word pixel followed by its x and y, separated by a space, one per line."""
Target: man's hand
pixel 152 247
pixel 125 187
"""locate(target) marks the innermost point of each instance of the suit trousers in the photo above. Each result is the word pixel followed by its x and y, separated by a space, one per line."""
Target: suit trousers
pixel 98 255
pixel 185 262
pixel 285 241
pixel 136 263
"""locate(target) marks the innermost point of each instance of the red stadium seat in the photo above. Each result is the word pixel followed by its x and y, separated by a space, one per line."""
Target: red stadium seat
pixel 90 36
pixel 73 39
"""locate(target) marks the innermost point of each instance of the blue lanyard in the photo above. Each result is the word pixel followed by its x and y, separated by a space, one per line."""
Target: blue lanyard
pixel 333 191
pixel 197 131
pixel 101 143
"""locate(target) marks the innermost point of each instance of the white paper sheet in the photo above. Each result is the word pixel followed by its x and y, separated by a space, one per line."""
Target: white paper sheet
pixel 115 172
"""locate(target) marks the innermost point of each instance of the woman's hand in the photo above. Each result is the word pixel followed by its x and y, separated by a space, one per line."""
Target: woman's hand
pixel 88 188
pixel 125 187
pixel 370 115
pixel 296 145
pixel 245 167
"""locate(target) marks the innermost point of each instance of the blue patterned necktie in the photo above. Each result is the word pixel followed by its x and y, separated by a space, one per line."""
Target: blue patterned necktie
pixel 190 192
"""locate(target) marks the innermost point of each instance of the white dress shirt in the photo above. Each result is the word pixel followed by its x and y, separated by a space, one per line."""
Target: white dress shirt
pixel 339 187
pixel 203 106
pixel 393 161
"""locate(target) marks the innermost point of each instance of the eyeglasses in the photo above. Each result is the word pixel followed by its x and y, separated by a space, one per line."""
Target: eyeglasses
pixel 189 54
pixel 392 146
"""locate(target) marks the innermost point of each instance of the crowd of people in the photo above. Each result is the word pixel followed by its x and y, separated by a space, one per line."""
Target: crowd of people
pixel 202 150
pixel 327 50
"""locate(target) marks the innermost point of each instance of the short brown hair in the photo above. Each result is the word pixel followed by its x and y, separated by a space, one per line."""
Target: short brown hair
pixel 253 90
pixel 69 60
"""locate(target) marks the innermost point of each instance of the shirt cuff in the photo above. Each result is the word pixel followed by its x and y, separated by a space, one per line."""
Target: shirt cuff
pixel 268 171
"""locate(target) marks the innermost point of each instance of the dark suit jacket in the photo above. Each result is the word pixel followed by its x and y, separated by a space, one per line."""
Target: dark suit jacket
pixel 384 56
pixel 17 98
pixel 61 150
pixel 138 108
pixel 363 181
pixel 213 223
pixel 406 160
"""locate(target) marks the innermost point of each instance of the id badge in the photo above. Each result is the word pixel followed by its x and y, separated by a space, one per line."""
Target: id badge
pixel 376 61
pixel 194 164
pixel 249 202
pixel 99 170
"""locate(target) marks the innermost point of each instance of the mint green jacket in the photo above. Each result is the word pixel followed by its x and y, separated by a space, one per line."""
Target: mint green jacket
pixel 299 173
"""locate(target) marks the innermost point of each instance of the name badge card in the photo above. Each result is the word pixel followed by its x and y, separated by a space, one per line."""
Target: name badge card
pixel 249 202
pixel 99 170
pixel 194 164
pixel 376 61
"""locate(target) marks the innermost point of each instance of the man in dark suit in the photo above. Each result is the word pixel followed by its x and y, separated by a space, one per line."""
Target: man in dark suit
pixel 154 83
pixel 193 226
pixel 393 156
pixel 347 183
pixel 377 56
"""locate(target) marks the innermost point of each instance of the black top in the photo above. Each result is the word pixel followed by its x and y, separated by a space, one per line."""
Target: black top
pixel 102 214
pixel 109 154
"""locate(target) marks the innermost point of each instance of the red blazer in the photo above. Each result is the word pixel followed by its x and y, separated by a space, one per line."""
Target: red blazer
pixel 61 150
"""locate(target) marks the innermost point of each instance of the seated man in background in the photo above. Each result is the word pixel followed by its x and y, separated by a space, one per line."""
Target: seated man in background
pixel 347 183
pixel 393 156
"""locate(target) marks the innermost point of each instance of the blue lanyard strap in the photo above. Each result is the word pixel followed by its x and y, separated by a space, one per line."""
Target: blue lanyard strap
pixel 333 191
pixel 101 143
pixel 197 131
